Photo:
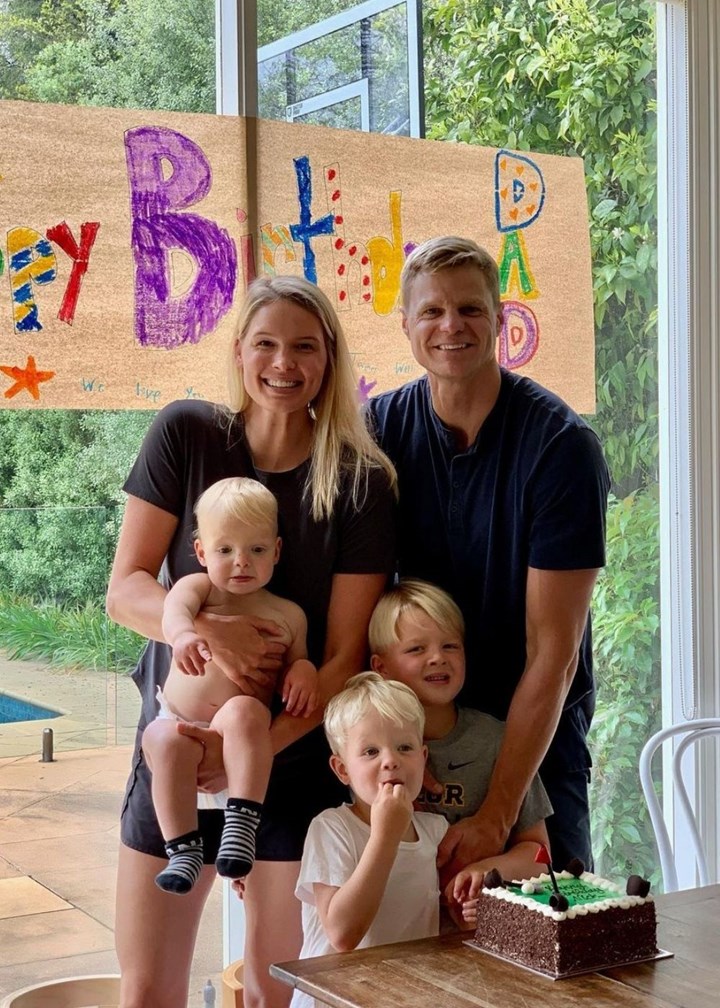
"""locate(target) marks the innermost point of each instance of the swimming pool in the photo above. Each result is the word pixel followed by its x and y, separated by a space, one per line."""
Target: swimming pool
pixel 13 709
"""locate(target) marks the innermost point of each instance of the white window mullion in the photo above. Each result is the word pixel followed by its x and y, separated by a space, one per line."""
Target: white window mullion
pixel 236 94
pixel 236 57
pixel 689 387
pixel 704 109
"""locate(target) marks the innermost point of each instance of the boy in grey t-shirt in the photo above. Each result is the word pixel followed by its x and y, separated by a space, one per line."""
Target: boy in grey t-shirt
pixel 416 636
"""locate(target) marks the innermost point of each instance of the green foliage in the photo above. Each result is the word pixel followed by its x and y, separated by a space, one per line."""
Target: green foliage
pixel 576 77
pixel 627 665
pixel 73 637
pixel 61 474
pixel 573 77
pixel 275 20
pixel 123 53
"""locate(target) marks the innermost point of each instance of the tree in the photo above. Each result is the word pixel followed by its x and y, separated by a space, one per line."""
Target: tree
pixel 28 27
pixel 275 20
pixel 122 53
pixel 61 475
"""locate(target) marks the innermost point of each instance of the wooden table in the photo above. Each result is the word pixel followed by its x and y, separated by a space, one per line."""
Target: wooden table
pixel 444 973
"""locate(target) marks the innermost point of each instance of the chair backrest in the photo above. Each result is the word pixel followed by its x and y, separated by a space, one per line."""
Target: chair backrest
pixel 692 731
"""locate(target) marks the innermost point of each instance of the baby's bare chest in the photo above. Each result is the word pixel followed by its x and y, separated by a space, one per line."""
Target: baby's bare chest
pixel 265 611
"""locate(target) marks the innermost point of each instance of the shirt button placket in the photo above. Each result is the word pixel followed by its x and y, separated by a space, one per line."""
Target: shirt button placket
pixel 455 508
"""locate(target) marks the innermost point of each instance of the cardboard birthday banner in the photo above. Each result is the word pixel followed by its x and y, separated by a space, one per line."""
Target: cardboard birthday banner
pixel 128 238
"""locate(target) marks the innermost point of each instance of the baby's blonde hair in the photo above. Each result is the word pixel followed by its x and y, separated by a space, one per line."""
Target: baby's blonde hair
pixel 412 594
pixel 238 497
pixel 369 691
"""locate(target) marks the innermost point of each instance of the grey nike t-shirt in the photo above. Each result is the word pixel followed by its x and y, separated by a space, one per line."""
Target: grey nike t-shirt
pixel 463 763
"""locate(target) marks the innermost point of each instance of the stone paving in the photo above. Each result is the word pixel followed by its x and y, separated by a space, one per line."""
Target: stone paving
pixel 95 708
pixel 59 833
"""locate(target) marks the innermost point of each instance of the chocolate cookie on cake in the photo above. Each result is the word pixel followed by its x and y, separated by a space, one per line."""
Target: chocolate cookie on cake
pixel 568 922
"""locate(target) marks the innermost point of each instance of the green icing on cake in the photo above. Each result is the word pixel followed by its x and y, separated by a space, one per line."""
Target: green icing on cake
pixel 574 890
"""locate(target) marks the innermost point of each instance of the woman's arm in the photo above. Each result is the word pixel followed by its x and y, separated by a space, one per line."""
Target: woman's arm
pixel 135 599
pixel 352 600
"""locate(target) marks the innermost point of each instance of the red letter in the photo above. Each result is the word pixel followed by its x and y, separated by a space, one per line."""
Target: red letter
pixel 62 236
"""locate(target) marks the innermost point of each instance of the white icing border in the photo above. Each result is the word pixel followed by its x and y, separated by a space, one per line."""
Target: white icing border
pixel 616 897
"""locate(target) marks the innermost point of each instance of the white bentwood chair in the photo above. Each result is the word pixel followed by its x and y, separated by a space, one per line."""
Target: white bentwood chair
pixel 693 731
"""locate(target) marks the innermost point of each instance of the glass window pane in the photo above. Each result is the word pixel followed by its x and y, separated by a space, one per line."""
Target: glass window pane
pixel 296 67
pixel 137 54
pixel 57 550
pixel 63 666
pixel 61 471
pixel 563 78
pixel 56 556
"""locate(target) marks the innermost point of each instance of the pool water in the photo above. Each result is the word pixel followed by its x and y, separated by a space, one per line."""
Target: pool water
pixel 13 709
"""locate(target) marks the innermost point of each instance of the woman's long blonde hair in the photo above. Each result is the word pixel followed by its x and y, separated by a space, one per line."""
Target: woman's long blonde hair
pixel 341 442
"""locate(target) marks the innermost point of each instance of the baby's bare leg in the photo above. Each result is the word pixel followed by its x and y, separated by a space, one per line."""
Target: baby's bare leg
pixel 174 760
pixel 244 724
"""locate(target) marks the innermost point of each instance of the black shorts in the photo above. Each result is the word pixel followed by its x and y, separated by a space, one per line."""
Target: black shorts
pixel 301 786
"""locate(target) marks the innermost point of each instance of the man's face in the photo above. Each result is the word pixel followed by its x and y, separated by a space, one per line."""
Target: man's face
pixel 452 323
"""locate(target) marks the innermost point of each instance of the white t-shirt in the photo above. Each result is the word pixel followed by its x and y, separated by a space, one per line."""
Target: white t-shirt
pixel 410 907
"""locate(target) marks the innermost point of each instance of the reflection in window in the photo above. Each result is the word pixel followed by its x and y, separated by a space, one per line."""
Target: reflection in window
pixel 350 71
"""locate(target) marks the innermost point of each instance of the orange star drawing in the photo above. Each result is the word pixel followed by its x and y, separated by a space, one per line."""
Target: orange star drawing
pixel 27 378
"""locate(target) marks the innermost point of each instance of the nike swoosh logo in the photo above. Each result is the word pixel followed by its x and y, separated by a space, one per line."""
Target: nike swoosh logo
pixel 456 766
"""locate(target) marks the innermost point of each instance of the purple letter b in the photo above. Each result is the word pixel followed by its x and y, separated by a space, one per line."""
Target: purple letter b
pixel 162 320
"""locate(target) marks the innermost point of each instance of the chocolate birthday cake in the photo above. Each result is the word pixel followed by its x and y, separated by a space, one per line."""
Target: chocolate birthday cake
pixel 566 923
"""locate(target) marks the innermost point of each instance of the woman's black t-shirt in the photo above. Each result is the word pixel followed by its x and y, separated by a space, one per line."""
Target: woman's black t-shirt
pixel 190 445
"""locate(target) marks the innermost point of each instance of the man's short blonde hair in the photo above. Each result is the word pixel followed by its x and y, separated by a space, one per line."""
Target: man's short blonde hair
pixel 365 692
pixel 238 497
pixel 449 252
pixel 406 595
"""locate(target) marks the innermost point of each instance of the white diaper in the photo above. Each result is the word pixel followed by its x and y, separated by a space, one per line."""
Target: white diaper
pixel 166 713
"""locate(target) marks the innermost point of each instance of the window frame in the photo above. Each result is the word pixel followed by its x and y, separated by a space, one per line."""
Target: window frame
pixel 689 377
pixel 689 335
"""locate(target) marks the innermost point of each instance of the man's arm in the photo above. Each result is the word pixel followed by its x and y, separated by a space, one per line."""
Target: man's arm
pixel 516 862
pixel 556 613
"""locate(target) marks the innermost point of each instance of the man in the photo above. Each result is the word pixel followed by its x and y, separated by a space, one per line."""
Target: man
pixel 503 491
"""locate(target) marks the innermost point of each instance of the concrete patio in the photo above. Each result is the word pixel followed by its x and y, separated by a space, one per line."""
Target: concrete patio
pixel 59 833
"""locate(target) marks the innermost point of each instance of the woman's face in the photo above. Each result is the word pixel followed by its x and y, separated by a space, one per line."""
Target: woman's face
pixel 283 357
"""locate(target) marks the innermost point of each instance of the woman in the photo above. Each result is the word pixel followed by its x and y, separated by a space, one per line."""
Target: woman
pixel 293 424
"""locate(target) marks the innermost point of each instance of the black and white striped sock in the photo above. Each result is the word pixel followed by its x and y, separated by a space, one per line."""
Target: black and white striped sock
pixel 186 861
pixel 237 846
